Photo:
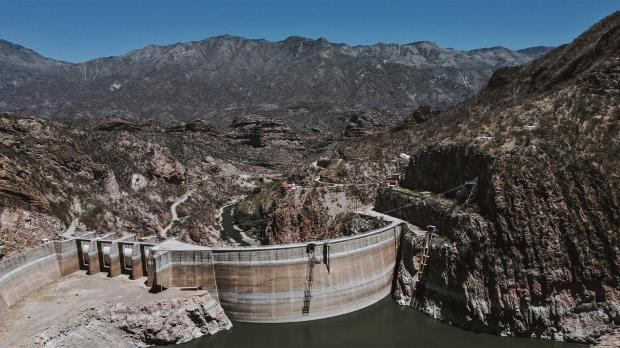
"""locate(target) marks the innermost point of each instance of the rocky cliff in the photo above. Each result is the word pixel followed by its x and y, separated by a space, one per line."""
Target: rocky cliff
pixel 313 214
pixel 522 181
pixel 260 131
pixel 536 252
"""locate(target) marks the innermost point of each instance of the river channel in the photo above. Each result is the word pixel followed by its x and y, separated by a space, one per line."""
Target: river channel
pixel 227 224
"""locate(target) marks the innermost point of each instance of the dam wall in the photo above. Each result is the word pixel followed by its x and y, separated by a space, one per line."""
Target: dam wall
pixel 287 283
pixel 67 256
pixel 267 284
pixel 22 274
pixel 185 269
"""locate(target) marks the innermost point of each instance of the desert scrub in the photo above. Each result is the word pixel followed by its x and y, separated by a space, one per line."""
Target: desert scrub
pixel 252 223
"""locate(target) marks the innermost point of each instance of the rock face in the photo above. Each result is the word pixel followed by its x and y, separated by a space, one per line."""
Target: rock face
pixel 407 267
pixel 165 322
pixel 259 131
pixel 535 253
pixel 118 124
pixel 299 216
pixel 122 173
pixel 354 224
pixel 535 249
pixel 15 187
pixel 247 76
pixel 363 124
pixel 312 214
pixel 198 125
pixel 168 322
pixel 22 229
pixel 167 167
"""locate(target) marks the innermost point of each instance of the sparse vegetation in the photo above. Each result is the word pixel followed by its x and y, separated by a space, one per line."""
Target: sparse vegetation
pixel 252 223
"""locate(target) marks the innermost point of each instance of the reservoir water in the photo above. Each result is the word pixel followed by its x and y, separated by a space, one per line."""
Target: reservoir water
pixel 384 324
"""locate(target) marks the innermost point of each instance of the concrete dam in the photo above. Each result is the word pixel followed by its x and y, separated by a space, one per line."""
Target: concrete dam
pixel 268 284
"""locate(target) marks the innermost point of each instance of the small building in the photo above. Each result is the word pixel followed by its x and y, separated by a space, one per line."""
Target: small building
pixel 393 179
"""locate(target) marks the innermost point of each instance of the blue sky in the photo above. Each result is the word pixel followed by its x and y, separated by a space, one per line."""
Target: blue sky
pixel 78 30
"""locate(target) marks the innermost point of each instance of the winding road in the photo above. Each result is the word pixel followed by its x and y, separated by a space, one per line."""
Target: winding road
pixel 175 217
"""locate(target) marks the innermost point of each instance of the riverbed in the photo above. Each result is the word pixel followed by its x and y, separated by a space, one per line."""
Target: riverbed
pixel 384 324
pixel 228 228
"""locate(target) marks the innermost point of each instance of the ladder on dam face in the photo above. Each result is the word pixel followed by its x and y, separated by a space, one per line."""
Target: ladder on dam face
pixel 425 252
pixel 305 310
pixel 431 232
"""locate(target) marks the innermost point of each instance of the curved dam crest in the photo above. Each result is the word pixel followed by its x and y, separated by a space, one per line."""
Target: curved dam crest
pixel 286 283
pixel 271 284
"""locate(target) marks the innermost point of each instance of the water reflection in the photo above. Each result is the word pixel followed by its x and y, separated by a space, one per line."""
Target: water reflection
pixel 384 324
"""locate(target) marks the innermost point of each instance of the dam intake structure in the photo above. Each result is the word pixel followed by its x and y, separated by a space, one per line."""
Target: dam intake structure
pixel 263 284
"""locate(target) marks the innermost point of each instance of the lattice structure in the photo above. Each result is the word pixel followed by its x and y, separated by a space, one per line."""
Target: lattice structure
pixel 309 278
pixel 430 233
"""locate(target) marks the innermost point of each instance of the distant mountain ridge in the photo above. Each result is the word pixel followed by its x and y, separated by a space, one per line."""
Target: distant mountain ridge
pixel 228 74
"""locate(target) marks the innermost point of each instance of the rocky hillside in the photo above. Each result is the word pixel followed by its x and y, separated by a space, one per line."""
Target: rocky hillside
pixel 121 325
pixel 536 252
pixel 226 76
pixel 533 250
pixel 18 64
pixel 116 176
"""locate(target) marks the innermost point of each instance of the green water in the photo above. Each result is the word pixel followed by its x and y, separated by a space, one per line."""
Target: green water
pixel 228 226
pixel 384 324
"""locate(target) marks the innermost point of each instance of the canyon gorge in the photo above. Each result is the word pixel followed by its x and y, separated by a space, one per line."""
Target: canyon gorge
pixel 515 158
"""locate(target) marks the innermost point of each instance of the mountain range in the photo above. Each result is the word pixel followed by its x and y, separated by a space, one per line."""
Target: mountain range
pixel 228 75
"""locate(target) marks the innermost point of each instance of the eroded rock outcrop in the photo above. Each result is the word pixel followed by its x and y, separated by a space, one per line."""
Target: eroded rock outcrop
pixel 407 267
pixel 15 186
pixel 299 216
pixel 259 131
pixel 314 214
pixel 170 321
pixel 22 229
pixel 198 126
pixel 364 123
pixel 167 167
pixel 118 124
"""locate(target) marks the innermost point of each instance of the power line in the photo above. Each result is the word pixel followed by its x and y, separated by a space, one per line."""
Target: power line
pixel 473 182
